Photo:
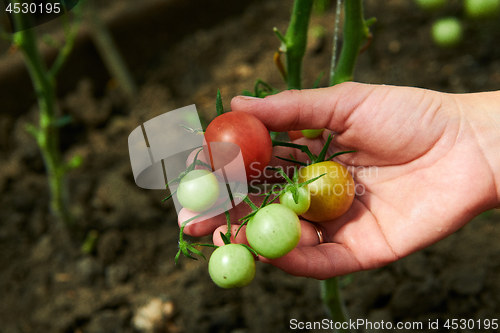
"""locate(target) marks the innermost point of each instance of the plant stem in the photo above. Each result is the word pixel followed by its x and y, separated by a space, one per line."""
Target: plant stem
pixel 330 293
pixel 338 8
pixel 47 133
pixel 355 34
pixel 295 42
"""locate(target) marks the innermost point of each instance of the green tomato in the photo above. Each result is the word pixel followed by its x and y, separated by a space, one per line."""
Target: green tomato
pixel 231 266
pixel 273 231
pixel 303 202
pixel 482 8
pixel 447 32
pixel 430 4
pixel 312 133
pixel 198 190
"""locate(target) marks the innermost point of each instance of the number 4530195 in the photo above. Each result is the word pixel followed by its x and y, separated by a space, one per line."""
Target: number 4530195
pixel 33 8
pixel 471 324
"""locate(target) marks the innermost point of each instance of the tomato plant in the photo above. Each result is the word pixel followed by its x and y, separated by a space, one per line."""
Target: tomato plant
pixel 246 131
pixel 231 265
pixel 332 194
pixel 198 190
pixel 273 231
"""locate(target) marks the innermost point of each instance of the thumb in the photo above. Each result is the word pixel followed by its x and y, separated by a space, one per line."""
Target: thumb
pixel 309 108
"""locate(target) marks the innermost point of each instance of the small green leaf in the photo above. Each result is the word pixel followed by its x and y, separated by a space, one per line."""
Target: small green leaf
pixel 340 153
pixel 279 35
pixel 247 92
pixel 90 242
pixel 242 224
pixel 371 21
pixel 295 194
pixel 263 89
pixel 218 103
pixel 192 165
pixel 168 196
pixel 251 250
pixel 224 238
pixel 185 251
pixel 311 180
pixel 196 251
pixel 318 80
pixel 205 245
pixel 303 148
pixel 176 259
pixel 284 175
pixel 293 161
pixel 74 162
pixel 322 154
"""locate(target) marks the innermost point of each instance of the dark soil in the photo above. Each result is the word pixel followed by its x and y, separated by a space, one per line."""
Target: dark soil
pixel 180 53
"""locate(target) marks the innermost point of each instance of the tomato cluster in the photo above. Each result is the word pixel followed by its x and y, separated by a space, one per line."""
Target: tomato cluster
pixel 320 191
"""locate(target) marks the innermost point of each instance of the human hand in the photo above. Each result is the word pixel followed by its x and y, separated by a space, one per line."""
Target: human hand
pixel 419 159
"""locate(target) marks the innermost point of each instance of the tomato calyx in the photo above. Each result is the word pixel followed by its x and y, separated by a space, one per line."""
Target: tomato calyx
pixel 321 157
pixel 293 184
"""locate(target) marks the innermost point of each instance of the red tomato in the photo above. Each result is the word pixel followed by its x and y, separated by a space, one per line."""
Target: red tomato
pixel 246 131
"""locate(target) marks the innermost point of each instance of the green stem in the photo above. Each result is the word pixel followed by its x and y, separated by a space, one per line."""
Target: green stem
pixel 47 134
pixel 355 34
pixel 330 293
pixel 296 41
pixel 71 33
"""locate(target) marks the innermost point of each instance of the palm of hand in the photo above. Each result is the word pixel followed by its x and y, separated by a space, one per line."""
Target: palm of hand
pixel 410 192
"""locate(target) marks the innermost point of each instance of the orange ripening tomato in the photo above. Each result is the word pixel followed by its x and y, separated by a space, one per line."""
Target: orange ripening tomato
pixel 332 194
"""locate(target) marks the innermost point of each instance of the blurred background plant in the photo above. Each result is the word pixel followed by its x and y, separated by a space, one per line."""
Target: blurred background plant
pixel 450 26
pixel 44 79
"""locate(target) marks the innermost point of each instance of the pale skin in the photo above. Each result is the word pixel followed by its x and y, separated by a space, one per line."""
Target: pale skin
pixel 426 163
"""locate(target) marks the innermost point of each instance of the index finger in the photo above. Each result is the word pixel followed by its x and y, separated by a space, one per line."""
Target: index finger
pixel 308 108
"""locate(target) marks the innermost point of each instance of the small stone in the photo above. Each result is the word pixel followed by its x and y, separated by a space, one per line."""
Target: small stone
pixel 153 315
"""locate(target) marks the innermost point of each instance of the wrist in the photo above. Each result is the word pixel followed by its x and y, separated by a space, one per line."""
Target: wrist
pixel 482 113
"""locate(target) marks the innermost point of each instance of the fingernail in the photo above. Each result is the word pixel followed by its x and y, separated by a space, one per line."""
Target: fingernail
pixel 248 98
